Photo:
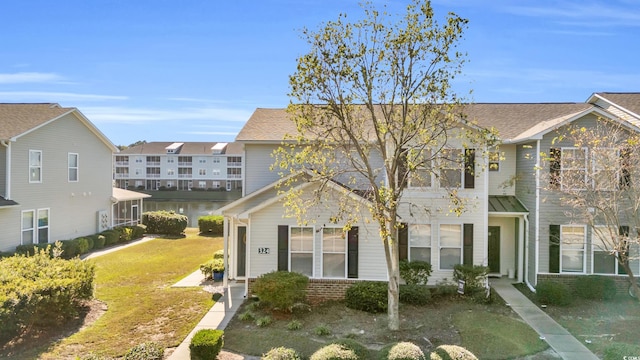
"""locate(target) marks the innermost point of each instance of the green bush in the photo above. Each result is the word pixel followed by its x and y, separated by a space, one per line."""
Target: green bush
pixel 618 350
pixel 70 248
pixel 281 353
pixel 41 289
pixel 334 352
pixel 211 266
pixel 322 330
pixel 405 351
pixel 415 272
pixel 31 249
pixel 553 293
pixel 473 276
pixel 164 222
pixel 264 321
pixel 452 352
pixel 213 224
pixel 281 289
pixel 415 294
pixel 369 296
pixel 219 254
pixel 595 287
pixel 293 325
pixel 83 245
pixel 91 242
pixel 98 241
pixel 145 351
pixel 111 237
pixel 360 350
pixel 206 344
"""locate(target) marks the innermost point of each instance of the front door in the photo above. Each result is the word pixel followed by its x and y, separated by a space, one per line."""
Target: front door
pixel 494 249
pixel 241 259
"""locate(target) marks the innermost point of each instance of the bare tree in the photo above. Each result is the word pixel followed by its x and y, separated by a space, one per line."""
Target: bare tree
pixel 596 177
pixel 374 110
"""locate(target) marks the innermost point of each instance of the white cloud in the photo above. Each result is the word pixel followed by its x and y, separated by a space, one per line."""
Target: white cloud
pixel 43 96
pixel 29 77
pixel 125 115
pixel 588 14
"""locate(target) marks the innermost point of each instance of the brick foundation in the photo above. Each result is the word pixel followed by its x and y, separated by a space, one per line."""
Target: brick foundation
pixel 621 281
pixel 319 290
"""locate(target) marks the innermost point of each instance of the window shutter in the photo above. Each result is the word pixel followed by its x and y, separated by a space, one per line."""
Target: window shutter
pixel 403 241
pixel 469 168
pixel 352 253
pixel 554 248
pixel 467 244
pixel 554 168
pixel 624 231
pixel 283 248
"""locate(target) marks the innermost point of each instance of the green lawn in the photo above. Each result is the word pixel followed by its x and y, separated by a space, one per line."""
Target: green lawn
pixel 135 283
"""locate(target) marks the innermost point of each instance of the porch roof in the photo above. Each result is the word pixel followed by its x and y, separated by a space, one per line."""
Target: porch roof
pixel 7 203
pixel 118 195
pixel 506 204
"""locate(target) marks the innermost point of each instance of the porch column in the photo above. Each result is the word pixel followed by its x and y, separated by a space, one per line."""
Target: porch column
pixel 225 242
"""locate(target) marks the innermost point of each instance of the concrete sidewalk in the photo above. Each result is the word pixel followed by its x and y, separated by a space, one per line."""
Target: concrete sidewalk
pixel 219 315
pixel 560 340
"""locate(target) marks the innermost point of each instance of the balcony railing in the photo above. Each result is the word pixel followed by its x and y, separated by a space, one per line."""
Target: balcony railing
pixel 153 176
pixel 187 176
pixel 184 163
pixel 122 163
pixel 234 163
pixel 153 163
pixel 234 176
pixel 122 176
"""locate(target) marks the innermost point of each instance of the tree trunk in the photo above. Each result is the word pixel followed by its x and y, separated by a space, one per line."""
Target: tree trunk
pixel 632 280
pixel 393 270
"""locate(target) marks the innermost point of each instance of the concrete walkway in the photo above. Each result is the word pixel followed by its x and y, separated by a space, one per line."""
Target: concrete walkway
pixel 219 315
pixel 560 340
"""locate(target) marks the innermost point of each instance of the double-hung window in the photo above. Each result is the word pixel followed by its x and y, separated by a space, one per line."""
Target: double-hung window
pixel 35 166
pixel 334 253
pixel 494 161
pixel 302 250
pixel 602 254
pixel 450 246
pixel 451 168
pixel 73 167
pixel 420 242
pixel 606 168
pixel 572 248
pixel 573 168
pixel 28 227
pixel 43 226
pixel 421 174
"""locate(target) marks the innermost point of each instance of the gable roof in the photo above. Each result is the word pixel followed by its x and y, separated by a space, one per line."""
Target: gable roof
pixel 187 148
pixel 18 119
pixel 629 102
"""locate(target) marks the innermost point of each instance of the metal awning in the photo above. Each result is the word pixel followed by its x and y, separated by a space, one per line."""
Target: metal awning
pixel 7 203
pixel 506 204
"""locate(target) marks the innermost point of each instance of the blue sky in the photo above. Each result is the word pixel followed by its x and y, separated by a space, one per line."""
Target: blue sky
pixel 195 70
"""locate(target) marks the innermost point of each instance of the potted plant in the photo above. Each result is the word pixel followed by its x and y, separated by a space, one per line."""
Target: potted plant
pixel 213 269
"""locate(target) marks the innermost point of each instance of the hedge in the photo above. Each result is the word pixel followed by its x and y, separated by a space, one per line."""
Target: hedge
pixel 213 224
pixel 281 289
pixel 164 222
pixel 206 344
pixel 41 289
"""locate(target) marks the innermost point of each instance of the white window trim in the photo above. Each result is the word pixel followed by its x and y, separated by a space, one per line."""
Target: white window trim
pixel 440 247
pixel 585 168
pixel 346 266
pixel 430 247
pixel 39 181
pixel 312 252
pixel 48 226
pixel 32 228
pixel 77 167
pixel 498 161
pixel 448 164
pixel 202 172
pixel 594 249
pixel 584 250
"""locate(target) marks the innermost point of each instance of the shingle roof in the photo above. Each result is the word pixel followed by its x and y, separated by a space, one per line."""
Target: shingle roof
pixel 510 120
pixel 188 148
pixel 629 101
pixel 16 119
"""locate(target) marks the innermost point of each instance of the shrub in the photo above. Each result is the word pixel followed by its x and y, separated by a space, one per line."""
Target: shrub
pixel 30 250
pixel 164 222
pixel 595 287
pixel 145 351
pixel 553 293
pixel 405 351
pixel 415 272
pixel 41 289
pixel 247 316
pixel 294 325
pixel 281 353
pixel 206 344
pixel 322 330
pixel 91 242
pixel 415 294
pixel 334 352
pixel 83 245
pixel 213 224
pixel 98 241
pixel 452 352
pixel 264 321
pixel 219 254
pixel 369 296
pixel 211 266
pixel 281 289
pixel 111 237
pixel 360 350
pixel 473 276
pixel 70 249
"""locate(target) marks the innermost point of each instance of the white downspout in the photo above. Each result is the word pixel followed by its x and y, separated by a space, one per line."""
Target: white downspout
pixel 486 208
pixel 526 252
pixel 537 249
pixel 7 190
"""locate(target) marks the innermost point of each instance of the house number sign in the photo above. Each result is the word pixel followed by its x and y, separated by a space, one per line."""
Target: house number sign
pixel 263 250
